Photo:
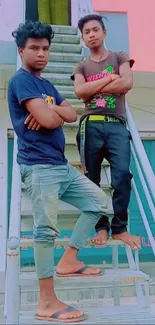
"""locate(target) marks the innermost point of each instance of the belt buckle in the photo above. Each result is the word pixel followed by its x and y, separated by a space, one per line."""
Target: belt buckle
pixel 106 118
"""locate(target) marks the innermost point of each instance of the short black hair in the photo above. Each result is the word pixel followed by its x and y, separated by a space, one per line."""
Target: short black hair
pixel 32 29
pixel 88 18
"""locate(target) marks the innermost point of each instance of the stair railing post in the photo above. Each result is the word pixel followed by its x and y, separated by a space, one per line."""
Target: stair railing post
pixel 12 294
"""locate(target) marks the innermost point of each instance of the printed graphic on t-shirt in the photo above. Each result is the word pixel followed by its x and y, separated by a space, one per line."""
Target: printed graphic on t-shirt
pixel 102 100
pixel 49 99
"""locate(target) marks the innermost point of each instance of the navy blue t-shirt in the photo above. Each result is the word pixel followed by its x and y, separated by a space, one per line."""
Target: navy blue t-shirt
pixel 34 147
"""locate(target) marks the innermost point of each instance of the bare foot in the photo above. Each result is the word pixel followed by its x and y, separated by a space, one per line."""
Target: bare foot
pixel 101 238
pixel 48 308
pixel 127 238
pixel 65 267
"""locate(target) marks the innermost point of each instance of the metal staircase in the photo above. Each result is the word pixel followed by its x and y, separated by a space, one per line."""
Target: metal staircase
pixel 88 293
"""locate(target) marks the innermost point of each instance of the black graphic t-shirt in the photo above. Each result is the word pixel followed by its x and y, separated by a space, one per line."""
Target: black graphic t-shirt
pixel 101 103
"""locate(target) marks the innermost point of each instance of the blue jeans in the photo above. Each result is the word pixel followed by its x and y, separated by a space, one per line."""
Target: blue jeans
pixel 46 184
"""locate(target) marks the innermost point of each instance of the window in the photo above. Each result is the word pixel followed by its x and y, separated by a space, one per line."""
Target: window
pixel 117 31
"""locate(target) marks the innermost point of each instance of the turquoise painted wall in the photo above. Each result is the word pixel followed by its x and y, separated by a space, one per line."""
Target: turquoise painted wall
pixel 103 255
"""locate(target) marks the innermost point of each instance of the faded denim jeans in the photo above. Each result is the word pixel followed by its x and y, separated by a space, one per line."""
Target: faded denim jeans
pixel 46 184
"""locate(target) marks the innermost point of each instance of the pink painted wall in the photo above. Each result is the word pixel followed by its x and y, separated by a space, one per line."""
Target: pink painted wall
pixel 141 22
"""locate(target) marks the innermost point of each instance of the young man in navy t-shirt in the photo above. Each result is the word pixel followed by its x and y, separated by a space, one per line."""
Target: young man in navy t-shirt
pixel 38 112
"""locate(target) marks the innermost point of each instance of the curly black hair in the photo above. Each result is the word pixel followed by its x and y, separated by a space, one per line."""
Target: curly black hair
pixel 32 30
pixel 88 18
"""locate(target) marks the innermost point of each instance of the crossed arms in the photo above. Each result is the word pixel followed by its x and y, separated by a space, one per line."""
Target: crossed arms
pixel 52 116
pixel 48 116
pixel 113 84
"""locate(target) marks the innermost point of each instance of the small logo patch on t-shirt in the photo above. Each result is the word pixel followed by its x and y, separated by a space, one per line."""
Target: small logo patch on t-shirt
pixel 49 99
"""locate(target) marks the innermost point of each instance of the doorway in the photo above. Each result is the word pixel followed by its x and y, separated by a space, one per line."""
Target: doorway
pixel 54 12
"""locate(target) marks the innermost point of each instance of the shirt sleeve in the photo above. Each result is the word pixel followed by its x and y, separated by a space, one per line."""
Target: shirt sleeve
pixel 24 88
pixel 78 69
pixel 124 57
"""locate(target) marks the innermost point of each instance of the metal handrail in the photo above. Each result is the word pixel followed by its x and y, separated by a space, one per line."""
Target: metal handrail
pixel 144 217
pixel 145 164
pixel 148 197
pixel 142 167
pixel 12 296
pixel 147 169
pixel 145 188
pixel 13 252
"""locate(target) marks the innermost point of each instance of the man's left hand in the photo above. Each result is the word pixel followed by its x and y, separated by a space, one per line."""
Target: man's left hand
pixel 32 123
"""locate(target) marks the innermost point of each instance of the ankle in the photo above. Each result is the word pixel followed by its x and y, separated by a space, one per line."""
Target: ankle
pixel 46 301
pixel 70 254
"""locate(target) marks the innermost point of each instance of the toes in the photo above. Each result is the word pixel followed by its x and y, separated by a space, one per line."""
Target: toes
pixel 74 315
pixel 93 240
pixel 137 243
pixel 93 271
pixel 97 271
pixel 99 241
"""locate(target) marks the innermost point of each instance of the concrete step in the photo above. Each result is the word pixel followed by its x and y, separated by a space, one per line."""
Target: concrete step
pixel 67 214
pixel 65 39
pixel 75 102
pixel 110 276
pixel 100 314
pixel 66 220
pixel 72 154
pixel 59 68
pixel 30 296
pixel 65 30
pixel 68 94
pixel 67 57
pixel 58 79
pixel 62 88
pixel 66 48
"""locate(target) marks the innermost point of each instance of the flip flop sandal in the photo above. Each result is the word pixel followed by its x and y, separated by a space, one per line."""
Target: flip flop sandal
pixel 55 317
pixel 78 273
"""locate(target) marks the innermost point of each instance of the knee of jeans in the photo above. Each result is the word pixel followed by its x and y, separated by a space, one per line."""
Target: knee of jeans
pixel 123 177
pixel 45 234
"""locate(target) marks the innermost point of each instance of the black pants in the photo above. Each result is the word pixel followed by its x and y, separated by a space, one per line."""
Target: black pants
pixel 110 140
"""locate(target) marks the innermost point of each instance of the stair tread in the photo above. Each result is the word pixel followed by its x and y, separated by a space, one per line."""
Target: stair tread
pixel 55 75
pixel 60 64
pixel 61 211
pixel 67 54
pixel 109 276
pixel 66 45
pixel 68 92
pixel 64 88
pixel 59 47
pixel 64 27
pixel 76 100
pixel 99 314
pixel 73 38
pixel 63 208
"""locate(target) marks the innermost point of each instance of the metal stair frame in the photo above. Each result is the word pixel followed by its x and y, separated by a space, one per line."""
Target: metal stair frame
pixel 14 243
